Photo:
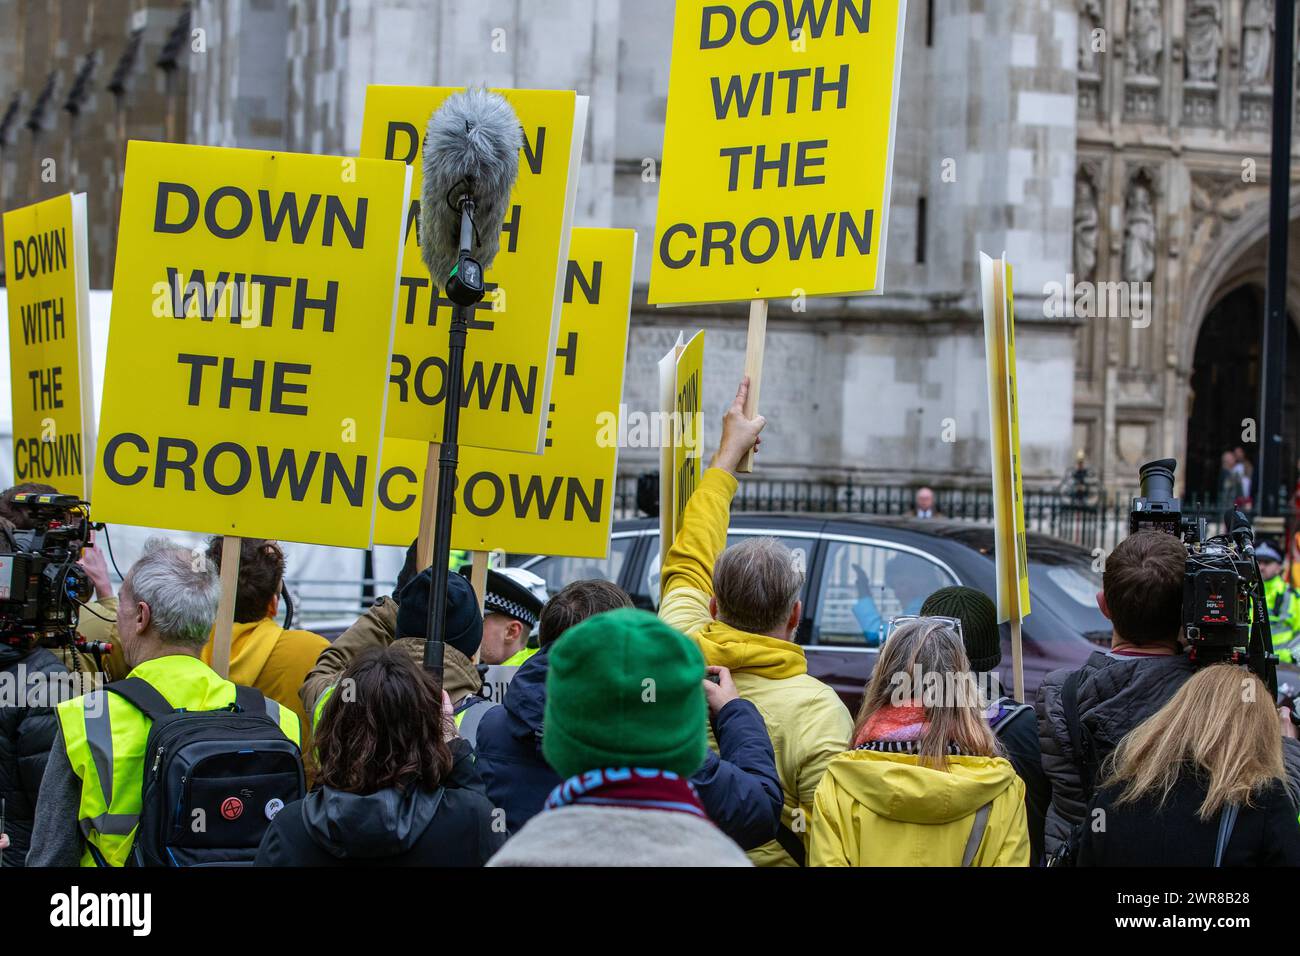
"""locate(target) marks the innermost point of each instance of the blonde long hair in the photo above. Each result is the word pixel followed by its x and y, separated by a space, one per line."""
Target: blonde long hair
pixel 922 648
pixel 1221 722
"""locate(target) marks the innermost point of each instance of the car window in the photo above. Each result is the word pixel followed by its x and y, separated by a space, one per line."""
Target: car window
pixel 1069 586
pixel 801 547
pixel 557 572
pixel 1079 583
pixel 864 585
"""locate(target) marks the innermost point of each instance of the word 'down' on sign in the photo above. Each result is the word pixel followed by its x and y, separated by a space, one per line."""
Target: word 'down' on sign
pixel 778 149
pixel 561 501
pixel 512 332
pixel 47 272
pixel 252 318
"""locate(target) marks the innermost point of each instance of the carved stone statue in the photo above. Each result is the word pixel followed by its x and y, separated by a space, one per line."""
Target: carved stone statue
pixel 1090 20
pixel 1204 39
pixel 1086 218
pixel 1139 235
pixel 1257 43
pixel 1146 39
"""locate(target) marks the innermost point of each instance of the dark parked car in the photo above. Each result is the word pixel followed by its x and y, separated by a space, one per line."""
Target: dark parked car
pixel 896 563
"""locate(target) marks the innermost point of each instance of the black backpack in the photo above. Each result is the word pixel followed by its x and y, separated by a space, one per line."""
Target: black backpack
pixel 213 779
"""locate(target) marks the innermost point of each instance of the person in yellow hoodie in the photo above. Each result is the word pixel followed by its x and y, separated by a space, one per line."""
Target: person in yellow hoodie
pixel 262 653
pixel 741 606
pixel 926 784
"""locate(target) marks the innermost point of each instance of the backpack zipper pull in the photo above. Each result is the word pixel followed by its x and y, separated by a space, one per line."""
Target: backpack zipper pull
pixel 157 760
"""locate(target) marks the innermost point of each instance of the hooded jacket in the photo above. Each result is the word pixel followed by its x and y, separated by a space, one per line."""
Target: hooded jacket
pixel 26 735
pixel 275 661
pixel 888 809
pixel 740 790
pixel 450 826
pixel 806 720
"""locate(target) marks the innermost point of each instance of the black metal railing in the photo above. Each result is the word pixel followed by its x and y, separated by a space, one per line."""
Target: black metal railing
pixel 1082 514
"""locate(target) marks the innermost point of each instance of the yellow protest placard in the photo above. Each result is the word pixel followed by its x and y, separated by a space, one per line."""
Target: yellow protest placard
pixel 253 302
pixel 1011 552
pixel 47 273
pixel 778 149
pixel 512 334
pixel 688 433
pixel 667 401
pixel 559 502
pixel 681 385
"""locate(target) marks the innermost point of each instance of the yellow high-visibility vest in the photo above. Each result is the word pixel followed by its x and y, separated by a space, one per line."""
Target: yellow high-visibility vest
pixel 519 657
pixel 106 737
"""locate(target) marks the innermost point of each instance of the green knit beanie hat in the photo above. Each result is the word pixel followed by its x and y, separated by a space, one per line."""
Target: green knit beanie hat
pixel 979 623
pixel 623 689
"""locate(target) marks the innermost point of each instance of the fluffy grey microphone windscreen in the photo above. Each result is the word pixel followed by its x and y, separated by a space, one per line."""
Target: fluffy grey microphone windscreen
pixel 473 137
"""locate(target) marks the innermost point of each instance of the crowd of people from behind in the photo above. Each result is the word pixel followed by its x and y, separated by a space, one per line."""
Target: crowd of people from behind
pixel 691 736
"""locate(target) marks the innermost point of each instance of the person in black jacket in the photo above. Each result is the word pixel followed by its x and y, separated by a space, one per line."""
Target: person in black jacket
pixel 738 787
pixel 395 786
pixel 1014 722
pixel 32 681
pixel 1204 772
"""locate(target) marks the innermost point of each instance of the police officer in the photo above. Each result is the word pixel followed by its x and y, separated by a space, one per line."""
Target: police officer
pixel 91 797
pixel 512 606
pixel 1282 600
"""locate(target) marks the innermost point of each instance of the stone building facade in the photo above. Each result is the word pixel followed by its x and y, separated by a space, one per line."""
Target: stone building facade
pixel 1095 141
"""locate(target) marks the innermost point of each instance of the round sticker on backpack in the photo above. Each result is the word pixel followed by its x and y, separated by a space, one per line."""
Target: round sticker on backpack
pixel 273 806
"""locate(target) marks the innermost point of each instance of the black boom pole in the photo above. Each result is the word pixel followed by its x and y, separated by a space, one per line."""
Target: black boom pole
pixel 464 288
pixel 1271 495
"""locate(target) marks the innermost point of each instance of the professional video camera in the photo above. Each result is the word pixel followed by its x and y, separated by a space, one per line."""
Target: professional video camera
pixel 1223 594
pixel 41 583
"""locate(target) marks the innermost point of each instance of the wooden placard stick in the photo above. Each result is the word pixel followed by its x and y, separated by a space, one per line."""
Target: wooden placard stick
pixel 1017 660
pixel 754 366
pixel 478 570
pixel 225 625
pixel 428 505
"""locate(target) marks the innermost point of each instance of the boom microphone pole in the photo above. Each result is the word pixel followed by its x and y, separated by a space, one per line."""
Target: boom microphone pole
pixel 471 161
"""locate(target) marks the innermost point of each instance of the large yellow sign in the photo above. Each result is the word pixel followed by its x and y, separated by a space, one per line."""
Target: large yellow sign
pixel 559 502
pixel 47 274
pixel 778 149
pixel 511 341
pixel 1011 549
pixel 253 303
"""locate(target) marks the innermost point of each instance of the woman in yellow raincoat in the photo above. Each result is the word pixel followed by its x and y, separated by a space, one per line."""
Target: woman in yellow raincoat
pixel 924 784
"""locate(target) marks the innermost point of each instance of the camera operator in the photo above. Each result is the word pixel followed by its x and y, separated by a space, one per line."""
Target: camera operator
pixel 97 622
pixel 1115 690
pixel 28 674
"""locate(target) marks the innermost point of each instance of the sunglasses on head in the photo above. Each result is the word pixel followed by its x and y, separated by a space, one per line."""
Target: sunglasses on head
pixel 896 622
